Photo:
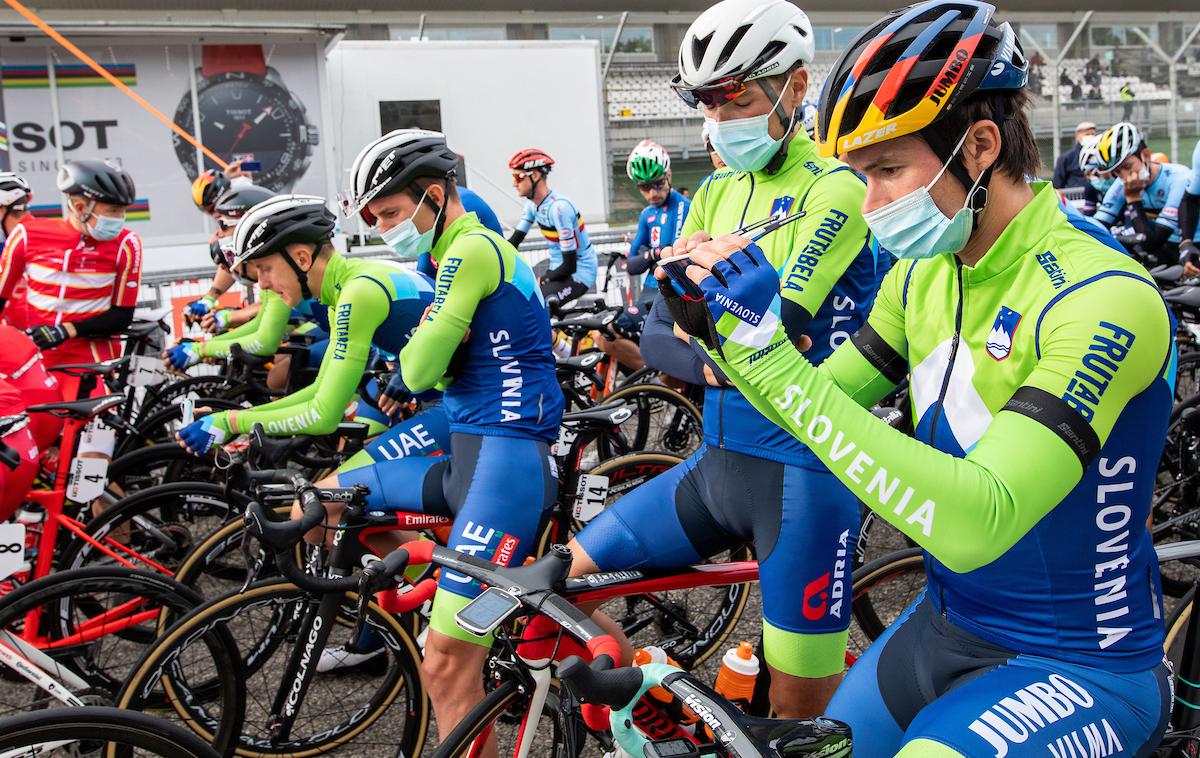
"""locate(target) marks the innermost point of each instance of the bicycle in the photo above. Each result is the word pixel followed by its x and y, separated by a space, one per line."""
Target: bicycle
pixel 92 729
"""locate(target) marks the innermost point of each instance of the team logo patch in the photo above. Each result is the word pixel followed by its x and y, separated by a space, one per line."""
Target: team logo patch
pixel 782 206
pixel 999 341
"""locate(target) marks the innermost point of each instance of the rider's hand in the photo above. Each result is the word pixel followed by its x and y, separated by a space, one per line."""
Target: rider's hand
pixel 217 321
pixel 203 434
pixel 198 308
pixel 183 356
pixel 46 337
pixel 394 395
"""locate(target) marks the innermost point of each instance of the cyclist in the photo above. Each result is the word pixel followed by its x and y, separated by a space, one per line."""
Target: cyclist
pixel 1098 183
pixel 472 203
pixel 15 197
pixel 287 240
pixel 208 187
pixel 751 481
pixel 1040 365
pixel 649 167
pixel 1189 214
pixel 21 365
pixel 572 258
pixel 1145 196
pixel 502 400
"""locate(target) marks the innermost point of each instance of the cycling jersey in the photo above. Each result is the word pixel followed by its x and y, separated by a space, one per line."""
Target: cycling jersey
pixel 15 483
pixel 372 303
pixel 506 384
pixel 1160 199
pixel 1042 379
pixel 562 226
pixel 829 268
pixel 71 277
pixel 21 365
pixel 658 227
pixel 472 203
pixel 258 336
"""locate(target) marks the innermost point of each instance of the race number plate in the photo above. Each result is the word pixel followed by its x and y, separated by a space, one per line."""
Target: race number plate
pixel 590 496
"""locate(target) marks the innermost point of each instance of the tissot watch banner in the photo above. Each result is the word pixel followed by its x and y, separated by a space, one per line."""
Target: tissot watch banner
pixel 257 102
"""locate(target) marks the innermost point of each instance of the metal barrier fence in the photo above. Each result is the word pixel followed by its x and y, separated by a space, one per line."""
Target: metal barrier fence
pixel 175 288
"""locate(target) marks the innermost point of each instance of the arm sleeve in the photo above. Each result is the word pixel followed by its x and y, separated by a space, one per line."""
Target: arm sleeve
pixel 12 262
pixel 113 321
pixel 1189 214
pixel 827 240
pixel 523 226
pixel 967 512
pixel 259 336
pixel 1155 233
pixel 319 408
pixel 1112 204
pixel 129 274
pixel 469 272
pixel 564 269
pixel 665 352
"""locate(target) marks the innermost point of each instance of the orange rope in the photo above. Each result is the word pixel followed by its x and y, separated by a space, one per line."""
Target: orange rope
pixel 114 81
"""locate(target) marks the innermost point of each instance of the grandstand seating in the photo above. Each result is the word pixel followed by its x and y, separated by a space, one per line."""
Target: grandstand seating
pixel 1110 86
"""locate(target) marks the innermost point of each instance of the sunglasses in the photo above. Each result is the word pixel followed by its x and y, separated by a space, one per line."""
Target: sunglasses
pixel 712 95
pixel 652 186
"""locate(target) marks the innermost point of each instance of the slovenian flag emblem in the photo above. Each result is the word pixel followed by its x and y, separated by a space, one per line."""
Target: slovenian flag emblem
pixel 999 341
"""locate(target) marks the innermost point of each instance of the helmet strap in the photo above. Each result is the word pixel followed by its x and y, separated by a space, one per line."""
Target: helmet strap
pixel 301 274
pixel 788 122
pixel 439 218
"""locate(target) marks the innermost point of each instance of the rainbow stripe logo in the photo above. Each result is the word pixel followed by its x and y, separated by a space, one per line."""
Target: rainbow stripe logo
pixel 139 211
pixel 66 75
pixel 3 136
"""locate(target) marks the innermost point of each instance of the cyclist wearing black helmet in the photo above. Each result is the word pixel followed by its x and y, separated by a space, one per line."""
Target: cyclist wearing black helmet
pixel 286 242
pixel 209 187
pixel 502 398
pixel 1040 365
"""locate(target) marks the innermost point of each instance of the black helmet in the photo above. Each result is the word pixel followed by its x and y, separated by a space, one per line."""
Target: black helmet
pixel 284 220
pixel 14 190
pixel 98 181
pixel 392 163
pixel 233 203
pixel 207 188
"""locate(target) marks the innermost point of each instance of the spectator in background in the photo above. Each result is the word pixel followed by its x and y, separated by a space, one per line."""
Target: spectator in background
pixel 1094 93
pixel 1064 79
pixel 1067 172
pixel 1076 92
pixel 1127 98
pixel 687 193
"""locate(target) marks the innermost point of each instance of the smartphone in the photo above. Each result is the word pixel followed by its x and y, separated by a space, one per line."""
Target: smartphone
pixel 486 612
pixel 251 166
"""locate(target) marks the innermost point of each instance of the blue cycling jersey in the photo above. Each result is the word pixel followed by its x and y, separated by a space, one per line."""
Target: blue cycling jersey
pixel 562 226
pixel 658 227
pixel 471 203
pixel 1160 200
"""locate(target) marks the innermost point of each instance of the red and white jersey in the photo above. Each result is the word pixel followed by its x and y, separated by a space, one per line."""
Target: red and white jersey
pixel 69 276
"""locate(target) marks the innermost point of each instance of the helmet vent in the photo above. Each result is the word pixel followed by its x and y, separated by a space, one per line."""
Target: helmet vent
pixel 699 47
pixel 731 45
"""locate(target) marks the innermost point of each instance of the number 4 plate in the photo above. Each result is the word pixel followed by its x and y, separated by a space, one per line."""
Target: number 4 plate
pixel 590 496
pixel 88 477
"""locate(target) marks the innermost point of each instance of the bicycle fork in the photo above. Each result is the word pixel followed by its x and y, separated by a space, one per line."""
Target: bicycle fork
pixel 302 665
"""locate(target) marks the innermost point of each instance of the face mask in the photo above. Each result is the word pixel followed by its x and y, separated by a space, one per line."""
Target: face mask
pixel 1101 185
pixel 1144 174
pixel 106 227
pixel 404 239
pixel 745 144
pixel 913 227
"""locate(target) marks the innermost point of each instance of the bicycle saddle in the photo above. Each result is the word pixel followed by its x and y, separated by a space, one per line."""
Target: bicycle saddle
pixel 587 321
pixel 1166 276
pixel 612 413
pixel 103 368
pixel 83 409
pixel 788 738
pixel 581 362
pixel 143 329
pixel 1185 297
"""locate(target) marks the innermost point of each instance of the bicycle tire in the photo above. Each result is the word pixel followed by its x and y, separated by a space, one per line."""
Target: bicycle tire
pixel 212 385
pixel 127 729
pixel 1176 628
pixel 505 700
pixel 67 602
pixel 1187 375
pixel 679 432
pixel 148 430
pixel 868 616
pixel 163 523
pixel 160 666
pixel 155 464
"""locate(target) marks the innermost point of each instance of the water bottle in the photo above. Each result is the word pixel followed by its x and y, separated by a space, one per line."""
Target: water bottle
pixel 655 654
pixel 739 670
pixel 667 703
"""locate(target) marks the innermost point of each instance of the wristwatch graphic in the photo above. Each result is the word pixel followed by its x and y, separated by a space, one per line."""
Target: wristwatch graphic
pixel 246 111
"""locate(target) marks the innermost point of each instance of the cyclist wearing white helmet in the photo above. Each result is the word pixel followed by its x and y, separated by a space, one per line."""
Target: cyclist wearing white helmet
pixel 1145 196
pixel 745 62
pixel 1189 214
pixel 15 195
pixel 1097 183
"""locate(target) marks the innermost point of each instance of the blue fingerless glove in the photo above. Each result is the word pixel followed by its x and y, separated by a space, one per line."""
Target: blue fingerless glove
pixel 202 306
pixel 202 434
pixel 396 390
pixel 184 355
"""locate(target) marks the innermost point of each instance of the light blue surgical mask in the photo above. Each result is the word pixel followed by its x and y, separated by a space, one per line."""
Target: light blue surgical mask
pixel 1101 185
pixel 405 240
pixel 745 144
pixel 914 228
pixel 106 227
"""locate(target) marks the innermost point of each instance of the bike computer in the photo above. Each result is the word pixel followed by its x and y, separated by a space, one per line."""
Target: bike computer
pixel 486 612
pixel 677 748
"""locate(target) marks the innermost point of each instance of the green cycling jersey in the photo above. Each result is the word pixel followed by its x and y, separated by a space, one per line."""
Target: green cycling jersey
pixel 258 336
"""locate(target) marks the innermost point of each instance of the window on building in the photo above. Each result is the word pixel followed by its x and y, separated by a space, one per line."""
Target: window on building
pixel 1121 36
pixel 443 33
pixel 834 38
pixel 407 114
pixel 634 39
pixel 1045 35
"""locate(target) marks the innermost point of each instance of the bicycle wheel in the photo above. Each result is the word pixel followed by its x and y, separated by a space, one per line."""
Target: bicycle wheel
pixel 1176 504
pixel 153 527
pixel 1176 628
pixel 193 387
pixel 1187 375
pixel 502 715
pixel 93 625
pixel 383 710
pixel 880 592
pixel 662 420
pixel 161 426
pixel 877 538
pixel 148 466
pixel 98 731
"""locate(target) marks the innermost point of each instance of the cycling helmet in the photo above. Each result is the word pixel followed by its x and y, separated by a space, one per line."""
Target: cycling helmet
pixel 15 192
pixel 1089 154
pixel 98 181
pixel 808 117
pixel 529 159
pixel 270 226
pixel 207 188
pixel 1118 143
pixel 392 163
pixel 233 203
pixel 648 162
pixel 735 41
pixel 913 66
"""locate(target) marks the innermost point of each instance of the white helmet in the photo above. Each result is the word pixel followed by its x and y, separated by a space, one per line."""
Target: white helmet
pixel 14 190
pixel 1089 154
pixel 647 162
pixel 272 224
pixel 1118 143
pixel 745 39
pixel 808 116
